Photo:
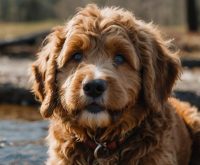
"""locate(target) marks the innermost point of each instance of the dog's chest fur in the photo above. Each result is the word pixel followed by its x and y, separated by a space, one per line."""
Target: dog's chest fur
pixel 86 158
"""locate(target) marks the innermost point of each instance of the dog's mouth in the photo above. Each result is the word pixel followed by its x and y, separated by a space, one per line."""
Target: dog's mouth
pixel 94 108
pixel 97 116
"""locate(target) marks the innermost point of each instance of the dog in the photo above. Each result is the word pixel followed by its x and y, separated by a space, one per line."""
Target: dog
pixel 104 81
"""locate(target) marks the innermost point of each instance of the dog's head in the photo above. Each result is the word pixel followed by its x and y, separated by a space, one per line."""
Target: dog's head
pixel 102 67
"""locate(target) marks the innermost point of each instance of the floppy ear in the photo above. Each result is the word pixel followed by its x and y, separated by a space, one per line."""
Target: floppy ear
pixel 44 72
pixel 159 66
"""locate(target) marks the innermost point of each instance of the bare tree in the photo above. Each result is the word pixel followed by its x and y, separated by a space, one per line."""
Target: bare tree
pixel 192 15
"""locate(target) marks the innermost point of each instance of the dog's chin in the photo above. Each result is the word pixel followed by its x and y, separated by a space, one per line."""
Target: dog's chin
pixel 94 116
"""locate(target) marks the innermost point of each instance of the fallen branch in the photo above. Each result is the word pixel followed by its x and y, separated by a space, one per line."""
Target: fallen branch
pixel 14 95
pixel 190 63
pixel 25 40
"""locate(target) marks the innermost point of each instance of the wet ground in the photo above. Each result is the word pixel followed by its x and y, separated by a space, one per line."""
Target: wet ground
pixel 22 136
pixel 22 143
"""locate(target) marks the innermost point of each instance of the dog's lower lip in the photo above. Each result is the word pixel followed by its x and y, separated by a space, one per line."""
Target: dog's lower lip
pixel 94 108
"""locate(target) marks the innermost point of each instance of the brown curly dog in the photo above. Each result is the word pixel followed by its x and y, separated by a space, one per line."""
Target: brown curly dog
pixel 104 81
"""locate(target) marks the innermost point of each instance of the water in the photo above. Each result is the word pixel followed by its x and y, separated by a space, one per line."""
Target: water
pixel 22 142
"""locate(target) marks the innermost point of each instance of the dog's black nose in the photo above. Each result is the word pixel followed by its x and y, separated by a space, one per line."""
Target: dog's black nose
pixel 95 88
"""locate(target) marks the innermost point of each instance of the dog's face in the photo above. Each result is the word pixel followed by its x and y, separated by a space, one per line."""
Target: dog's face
pixel 101 66
pixel 100 75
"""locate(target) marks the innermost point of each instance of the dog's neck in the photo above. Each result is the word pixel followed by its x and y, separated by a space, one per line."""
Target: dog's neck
pixel 106 148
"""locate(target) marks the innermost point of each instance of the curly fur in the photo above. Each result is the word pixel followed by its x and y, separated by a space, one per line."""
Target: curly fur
pixel 138 94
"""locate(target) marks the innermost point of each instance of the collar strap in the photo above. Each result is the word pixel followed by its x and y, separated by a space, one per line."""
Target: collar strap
pixel 105 149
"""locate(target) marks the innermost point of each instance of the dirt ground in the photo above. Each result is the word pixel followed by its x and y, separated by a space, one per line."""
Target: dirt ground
pixel 15 71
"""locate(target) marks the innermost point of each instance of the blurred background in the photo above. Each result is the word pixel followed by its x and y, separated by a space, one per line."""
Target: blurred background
pixel 23 26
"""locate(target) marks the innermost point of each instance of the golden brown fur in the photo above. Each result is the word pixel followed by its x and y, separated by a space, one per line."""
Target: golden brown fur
pixel 137 96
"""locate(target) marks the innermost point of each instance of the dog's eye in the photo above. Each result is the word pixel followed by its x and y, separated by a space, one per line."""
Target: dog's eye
pixel 119 59
pixel 77 57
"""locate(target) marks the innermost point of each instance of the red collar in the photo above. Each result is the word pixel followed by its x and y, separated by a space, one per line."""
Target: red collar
pixel 101 150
